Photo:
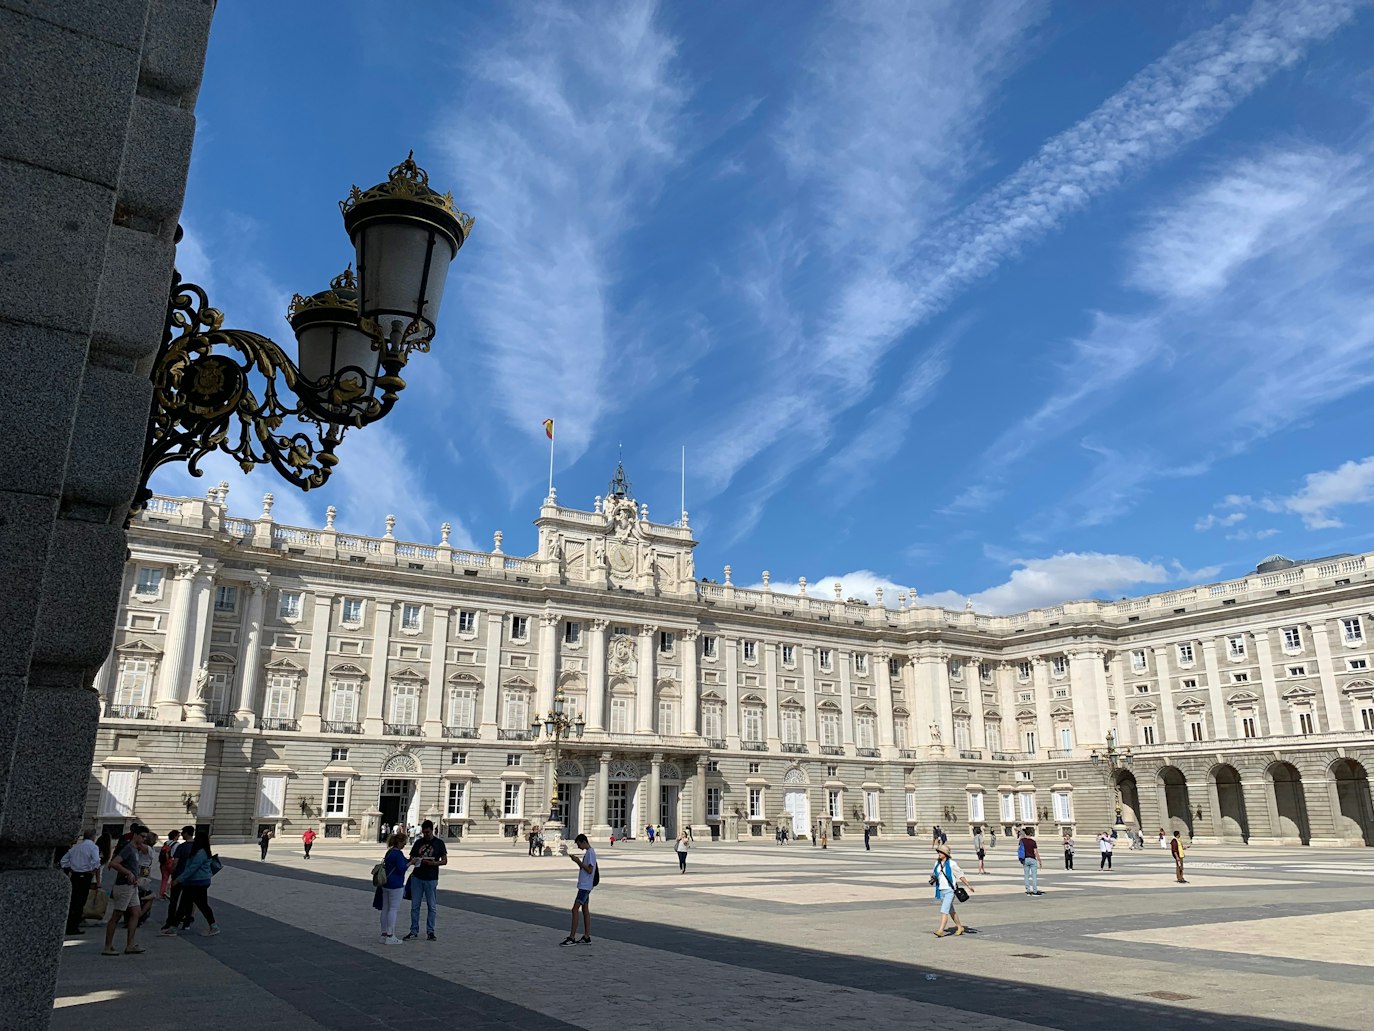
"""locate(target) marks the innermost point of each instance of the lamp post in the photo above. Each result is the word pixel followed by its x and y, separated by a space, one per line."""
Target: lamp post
pixel 1109 764
pixel 353 340
pixel 557 724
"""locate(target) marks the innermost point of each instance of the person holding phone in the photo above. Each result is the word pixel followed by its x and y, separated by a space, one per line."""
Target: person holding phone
pixel 586 881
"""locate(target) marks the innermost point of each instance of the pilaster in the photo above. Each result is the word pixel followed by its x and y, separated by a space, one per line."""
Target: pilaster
pixel 770 685
pixel 181 610
pixel 1273 710
pixel 250 659
pixel 644 689
pixel 316 672
pixel 845 659
pixel 491 674
pixel 596 679
pixel 1168 721
pixel 547 676
pixel 376 686
pixel 438 668
pixel 1044 724
pixel 601 829
pixel 882 688
pixel 1326 674
pixel 1216 699
pixel 691 689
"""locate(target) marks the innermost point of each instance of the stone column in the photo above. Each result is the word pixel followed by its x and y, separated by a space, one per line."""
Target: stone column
pixel 1168 723
pixel 173 665
pixel 882 687
pixel 104 678
pixel 547 677
pixel 316 674
pixel 845 660
pixel 438 667
pixel 203 591
pixel 1216 700
pixel 1088 687
pixel 923 680
pixel 808 665
pixel 376 685
pixel 691 690
pixel 644 689
pixel 600 827
pixel 596 676
pixel 700 828
pixel 1126 729
pixel 731 646
pixel 655 788
pixel 1044 723
pixel 770 689
pixel 250 659
pixel 1326 673
pixel 974 683
pixel 491 675
pixel 1273 711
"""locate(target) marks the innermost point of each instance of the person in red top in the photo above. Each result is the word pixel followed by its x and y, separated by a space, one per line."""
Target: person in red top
pixel 309 839
pixel 1176 850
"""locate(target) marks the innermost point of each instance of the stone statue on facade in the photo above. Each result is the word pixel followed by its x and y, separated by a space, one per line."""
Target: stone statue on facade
pixel 935 733
pixel 198 684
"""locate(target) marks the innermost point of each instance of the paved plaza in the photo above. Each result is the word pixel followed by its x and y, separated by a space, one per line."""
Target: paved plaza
pixel 760 936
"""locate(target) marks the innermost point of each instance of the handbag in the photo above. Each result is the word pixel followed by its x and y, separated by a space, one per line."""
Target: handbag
pixel 216 865
pixel 406 894
pixel 960 894
pixel 94 909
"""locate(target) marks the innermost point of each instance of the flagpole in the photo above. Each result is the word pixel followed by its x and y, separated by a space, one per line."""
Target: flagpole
pixel 550 465
pixel 683 508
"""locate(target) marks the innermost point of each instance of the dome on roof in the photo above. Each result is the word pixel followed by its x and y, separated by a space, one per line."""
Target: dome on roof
pixel 1274 563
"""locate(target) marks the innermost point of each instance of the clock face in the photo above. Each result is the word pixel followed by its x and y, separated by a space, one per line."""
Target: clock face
pixel 622 557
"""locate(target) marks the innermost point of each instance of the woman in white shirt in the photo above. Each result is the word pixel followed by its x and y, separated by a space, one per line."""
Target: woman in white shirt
pixel 945 877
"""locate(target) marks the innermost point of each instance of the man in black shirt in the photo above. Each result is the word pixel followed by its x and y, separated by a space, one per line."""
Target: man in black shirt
pixel 179 857
pixel 426 856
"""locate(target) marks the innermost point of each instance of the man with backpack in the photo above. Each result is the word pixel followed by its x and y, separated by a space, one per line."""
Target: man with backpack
pixel 1028 853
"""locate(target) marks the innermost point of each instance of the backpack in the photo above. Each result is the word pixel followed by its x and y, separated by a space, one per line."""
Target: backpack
pixel 379 875
pixel 596 875
pixel 1021 851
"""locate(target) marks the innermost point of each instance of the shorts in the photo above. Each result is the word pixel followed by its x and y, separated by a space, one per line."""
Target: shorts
pixel 583 896
pixel 124 896
pixel 946 900
pixel 981 855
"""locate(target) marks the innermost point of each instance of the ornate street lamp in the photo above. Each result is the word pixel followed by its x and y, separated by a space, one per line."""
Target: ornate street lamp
pixel 353 340
pixel 1109 765
pixel 558 725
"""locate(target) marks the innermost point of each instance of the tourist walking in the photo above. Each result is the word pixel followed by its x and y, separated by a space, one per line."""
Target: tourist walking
pixel 683 842
pixel 179 856
pixel 946 877
pixel 124 898
pixel 815 833
pixel 395 864
pixel 195 879
pixel 1068 851
pixel 649 833
pixel 1176 849
pixel 825 837
pixel 1105 844
pixel 1163 839
pixel 308 839
pixel 1028 852
pixel 426 856
pixel 166 860
pixel 867 832
pixel 586 881
pixel 82 863
pixel 982 854
pixel 264 839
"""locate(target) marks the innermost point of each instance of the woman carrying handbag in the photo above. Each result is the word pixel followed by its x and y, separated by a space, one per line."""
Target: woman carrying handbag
pixel 946 877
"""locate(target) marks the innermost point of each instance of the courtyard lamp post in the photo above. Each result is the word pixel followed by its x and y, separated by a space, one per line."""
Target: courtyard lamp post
pixel 353 339
pixel 1110 764
pixel 557 724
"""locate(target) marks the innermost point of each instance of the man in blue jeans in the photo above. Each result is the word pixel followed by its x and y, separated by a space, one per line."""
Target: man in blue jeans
pixel 426 856
pixel 1029 854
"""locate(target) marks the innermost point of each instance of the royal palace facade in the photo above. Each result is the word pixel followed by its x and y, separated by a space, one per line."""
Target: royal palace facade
pixel 268 675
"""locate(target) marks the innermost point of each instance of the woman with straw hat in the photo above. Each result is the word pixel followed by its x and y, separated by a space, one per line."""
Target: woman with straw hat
pixel 946 878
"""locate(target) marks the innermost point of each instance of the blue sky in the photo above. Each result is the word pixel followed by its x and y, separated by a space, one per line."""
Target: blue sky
pixel 1017 300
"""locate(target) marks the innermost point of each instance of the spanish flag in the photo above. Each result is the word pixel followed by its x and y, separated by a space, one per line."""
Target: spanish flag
pixel 548 428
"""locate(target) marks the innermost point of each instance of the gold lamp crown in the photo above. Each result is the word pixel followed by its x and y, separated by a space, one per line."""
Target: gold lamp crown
pixel 408 181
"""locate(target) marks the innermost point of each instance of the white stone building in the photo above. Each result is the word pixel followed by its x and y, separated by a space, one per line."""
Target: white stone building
pixel 272 675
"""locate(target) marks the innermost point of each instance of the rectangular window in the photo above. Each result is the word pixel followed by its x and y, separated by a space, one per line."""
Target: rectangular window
pixel 289 605
pixel 572 633
pixel 1147 733
pixel 894 668
pixel 1367 718
pixel 1354 664
pixel 410 617
pixel 1306 725
pixel 826 658
pixel 665 716
pixel 1066 738
pixel 281 697
pixel 985 671
pixel 336 798
pixel 956 669
pixel 750 650
pixel 1060 665
pixel 911 806
pixel 1352 630
pixel 832 772
pixel 1138 663
pixel 791 726
pixel 519 628
pixel 1030 742
pixel 1023 670
pixel 665 642
pixel 1188 683
pixel 871 811
pixel 1292 638
pixel 975 806
pixel 834 801
pixel 117 798
pixel 900 734
pixel 458 759
pixel 462 707
pixel 830 729
pixel 1235 646
pixel 753 724
pixel 1027 802
pixel 1247 727
pixel 1142 688
pixel 405 704
pixel 338 755
pixel 135 682
pixel 467 622
pixel 1196 730
pixel 1007 806
pixel 713 803
pixel 708 647
pixel 755 803
pixel 860 662
pixel 1297 671
pixel 517 711
pixel 510 803
pixel 148 582
pixel 457 799
pixel 343 700
pixel 864 725
pixel 226 598
pixel 993 732
pixel 620 716
pixel 789 654
pixel 1240 678
pixel 961 734
pixel 1063 809
pixel 1185 654
pixel 271 796
pixel 512 758
pixel 351 612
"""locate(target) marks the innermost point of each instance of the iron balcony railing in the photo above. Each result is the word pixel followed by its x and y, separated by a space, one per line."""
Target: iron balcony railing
pixel 514 735
pixel 220 719
pixel 715 742
pixel 754 746
pixel 276 723
pixel 832 749
pixel 341 727
pixel 906 753
pixel 133 712
pixel 970 753
pixel 868 753
pixel 460 732
pixel 792 746
pixel 401 730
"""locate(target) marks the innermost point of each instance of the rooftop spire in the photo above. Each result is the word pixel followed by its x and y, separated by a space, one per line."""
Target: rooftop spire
pixel 620 486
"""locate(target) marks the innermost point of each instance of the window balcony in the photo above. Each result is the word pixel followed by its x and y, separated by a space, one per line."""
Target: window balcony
pixel 514 735
pixel 469 732
pixel 906 753
pixel 401 730
pixel 1061 753
pixel 276 723
pixel 715 742
pixel 341 727
pixel 832 749
pixel 868 753
pixel 792 746
pixel 220 719
pixel 132 712
pixel 754 746
pixel 970 753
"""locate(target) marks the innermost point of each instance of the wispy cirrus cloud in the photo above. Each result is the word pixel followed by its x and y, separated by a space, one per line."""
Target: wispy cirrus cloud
pixel 564 133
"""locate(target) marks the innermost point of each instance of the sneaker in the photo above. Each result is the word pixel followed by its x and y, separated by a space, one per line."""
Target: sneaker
pixel 568 941
pixel 391 939
pixel 168 932
pixel 412 934
pixel 109 952
pixel 211 931
pixel 134 950
pixel 431 937
pixel 584 940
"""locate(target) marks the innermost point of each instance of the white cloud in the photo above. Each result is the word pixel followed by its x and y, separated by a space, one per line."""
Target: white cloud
pixel 1351 483
pixel 1211 520
pixel 1069 576
pixel 862 584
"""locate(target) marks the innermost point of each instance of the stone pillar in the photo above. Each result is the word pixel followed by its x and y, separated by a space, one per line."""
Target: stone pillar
pixel 172 669
pixel 547 676
pixel 655 788
pixel 1168 723
pixel 1088 686
pixel 1044 724
pixel 1326 673
pixel 491 675
pixel 731 728
pixel 376 680
pixel 104 678
pixel 691 689
pixel 644 690
pixel 438 666
pixel 203 591
pixel 923 684
pixel 1273 711
pixel 882 687
pixel 316 673
pixel 250 659
pixel 770 688
pixel 700 828
pixel 596 676
pixel 808 665
pixel 974 683
pixel 1126 732
pixel 1216 700
pixel 1005 676
pixel 845 659
pixel 601 829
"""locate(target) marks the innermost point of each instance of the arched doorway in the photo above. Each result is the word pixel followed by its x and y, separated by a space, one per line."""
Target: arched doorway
pixel 1355 806
pixel 1128 798
pixel 1290 804
pixel 1232 824
pixel 795 804
pixel 1177 810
